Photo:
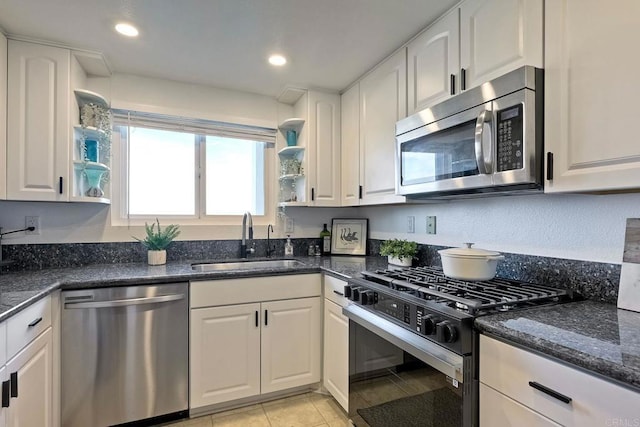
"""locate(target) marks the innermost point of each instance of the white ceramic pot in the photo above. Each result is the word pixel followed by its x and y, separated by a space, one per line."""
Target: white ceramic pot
pixel 157 257
pixel 403 262
pixel 469 263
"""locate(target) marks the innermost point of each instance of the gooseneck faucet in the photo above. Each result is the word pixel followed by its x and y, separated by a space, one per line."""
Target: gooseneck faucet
pixel 244 251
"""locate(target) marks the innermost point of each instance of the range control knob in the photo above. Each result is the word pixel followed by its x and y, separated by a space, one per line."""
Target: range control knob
pixel 347 291
pixel 446 332
pixel 367 298
pixel 355 294
pixel 429 324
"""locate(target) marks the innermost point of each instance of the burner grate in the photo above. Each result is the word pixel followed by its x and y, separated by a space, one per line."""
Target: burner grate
pixel 430 283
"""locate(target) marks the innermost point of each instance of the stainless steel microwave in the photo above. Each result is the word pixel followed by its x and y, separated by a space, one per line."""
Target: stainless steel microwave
pixel 487 139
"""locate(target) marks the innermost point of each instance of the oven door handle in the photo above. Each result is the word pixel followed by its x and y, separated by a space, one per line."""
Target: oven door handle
pixel 445 361
pixel 484 119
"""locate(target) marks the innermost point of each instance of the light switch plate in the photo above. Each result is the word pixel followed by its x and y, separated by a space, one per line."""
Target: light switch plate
pixel 431 225
pixel 288 225
pixel 411 224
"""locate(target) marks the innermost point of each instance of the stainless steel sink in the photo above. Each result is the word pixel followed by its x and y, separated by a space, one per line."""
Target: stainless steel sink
pixel 247 265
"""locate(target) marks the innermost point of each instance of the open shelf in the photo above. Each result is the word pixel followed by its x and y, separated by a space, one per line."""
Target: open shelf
pixel 290 151
pixel 79 164
pixel 291 176
pixel 90 132
pixel 87 97
pixel 292 124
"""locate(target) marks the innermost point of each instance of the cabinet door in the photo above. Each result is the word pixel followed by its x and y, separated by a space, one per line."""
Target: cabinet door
pixel 324 148
pixel 591 94
pixel 433 59
pixel 3 411
pixel 291 337
pixel 38 127
pixel 3 115
pixel 34 369
pixel 383 101
pixel 498 36
pixel 350 146
pixel 225 354
pixel 336 353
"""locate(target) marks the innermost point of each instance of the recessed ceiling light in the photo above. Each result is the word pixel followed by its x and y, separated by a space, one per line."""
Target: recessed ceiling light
pixel 277 60
pixel 127 30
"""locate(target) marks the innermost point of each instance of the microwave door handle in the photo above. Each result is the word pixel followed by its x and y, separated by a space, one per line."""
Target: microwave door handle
pixel 485 118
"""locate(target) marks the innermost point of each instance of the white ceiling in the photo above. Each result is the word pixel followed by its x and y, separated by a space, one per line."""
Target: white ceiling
pixel 225 43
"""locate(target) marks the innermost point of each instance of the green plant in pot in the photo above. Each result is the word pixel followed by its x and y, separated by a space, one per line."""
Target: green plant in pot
pixel 157 241
pixel 399 252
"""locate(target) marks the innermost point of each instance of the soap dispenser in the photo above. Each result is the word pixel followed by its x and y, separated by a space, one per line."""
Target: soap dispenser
pixel 288 247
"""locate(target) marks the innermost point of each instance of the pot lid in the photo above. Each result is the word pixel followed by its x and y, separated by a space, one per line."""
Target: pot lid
pixel 468 252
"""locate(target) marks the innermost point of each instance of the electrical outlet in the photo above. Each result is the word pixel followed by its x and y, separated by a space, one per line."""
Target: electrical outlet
pixel 431 225
pixel 411 224
pixel 288 225
pixel 32 221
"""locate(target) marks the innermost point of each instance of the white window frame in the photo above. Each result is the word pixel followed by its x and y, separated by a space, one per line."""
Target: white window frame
pixel 119 191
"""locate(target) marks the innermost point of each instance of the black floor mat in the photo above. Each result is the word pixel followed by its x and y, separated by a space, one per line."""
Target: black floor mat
pixel 438 408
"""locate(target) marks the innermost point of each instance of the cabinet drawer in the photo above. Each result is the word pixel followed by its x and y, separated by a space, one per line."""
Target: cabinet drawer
pixel 334 290
pixel 496 409
pixel 27 325
pixel 594 401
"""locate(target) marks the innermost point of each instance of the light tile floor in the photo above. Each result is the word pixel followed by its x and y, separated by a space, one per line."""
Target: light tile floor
pixel 304 410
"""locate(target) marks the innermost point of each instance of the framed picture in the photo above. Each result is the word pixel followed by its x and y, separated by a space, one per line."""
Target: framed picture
pixel 349 236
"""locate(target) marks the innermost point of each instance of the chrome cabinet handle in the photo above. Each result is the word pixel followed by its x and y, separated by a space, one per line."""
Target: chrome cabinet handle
pixel 485 118
pixel 124 302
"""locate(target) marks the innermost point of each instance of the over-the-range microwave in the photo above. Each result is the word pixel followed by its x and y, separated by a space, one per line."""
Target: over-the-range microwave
pixel 487 139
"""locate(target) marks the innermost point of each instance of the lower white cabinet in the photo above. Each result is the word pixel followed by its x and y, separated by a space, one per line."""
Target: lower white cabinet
pixel 248 338
pixel 511 378
pixel 33 368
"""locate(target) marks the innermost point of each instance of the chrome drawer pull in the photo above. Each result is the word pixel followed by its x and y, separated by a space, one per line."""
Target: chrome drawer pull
pixel 35 322
pixel 561 397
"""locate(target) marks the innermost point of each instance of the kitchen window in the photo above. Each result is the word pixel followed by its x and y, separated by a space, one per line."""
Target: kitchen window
pixel 187 170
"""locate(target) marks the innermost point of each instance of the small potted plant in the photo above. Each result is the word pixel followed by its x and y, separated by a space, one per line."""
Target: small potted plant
pixel 399 252
pixel 157 241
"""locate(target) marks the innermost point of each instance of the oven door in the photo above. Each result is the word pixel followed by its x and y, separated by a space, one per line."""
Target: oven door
pixel 398 378
pixel 447 154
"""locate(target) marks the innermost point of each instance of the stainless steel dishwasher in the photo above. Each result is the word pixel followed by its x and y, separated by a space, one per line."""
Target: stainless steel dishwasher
pixel 125 355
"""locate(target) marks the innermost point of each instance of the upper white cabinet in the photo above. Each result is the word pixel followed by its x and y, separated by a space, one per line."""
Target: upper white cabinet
pixel 324 148
pixel 434 63
pixel 591 95
pixel 38 122
pixel 383 101
pixel 3 115
pixel 472 44
pixel 46 156
pixel 350 146
pixel 498 36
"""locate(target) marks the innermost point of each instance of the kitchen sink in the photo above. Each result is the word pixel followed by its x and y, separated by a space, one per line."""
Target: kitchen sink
pixel 247 265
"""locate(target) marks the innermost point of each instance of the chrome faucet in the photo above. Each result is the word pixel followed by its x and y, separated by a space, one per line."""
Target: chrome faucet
pixel 244 251
pixel 270 250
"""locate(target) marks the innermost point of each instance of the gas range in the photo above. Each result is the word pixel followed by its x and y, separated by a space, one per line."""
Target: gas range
pixel 441 309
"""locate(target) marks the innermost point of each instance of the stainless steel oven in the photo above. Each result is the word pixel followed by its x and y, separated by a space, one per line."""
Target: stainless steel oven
pixel 487 139
pixel 412 346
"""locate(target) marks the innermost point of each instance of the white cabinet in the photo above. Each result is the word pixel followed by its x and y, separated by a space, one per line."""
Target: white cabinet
pixel 336 342
pixel 498 36
pixel 3 119
pixel 45 155
pixel 520 378
pixel 33 368
pixel 225 353
pixel 324 148
pixel 290 351
pixel 434 63
pixel 27 347
pixel 38 125
pixel 350 146
pixel 472 44
pixel 383 101
pixel 591 99
pixel 253 336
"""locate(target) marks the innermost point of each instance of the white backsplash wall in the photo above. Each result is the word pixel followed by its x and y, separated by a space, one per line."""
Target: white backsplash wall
pixel 581 227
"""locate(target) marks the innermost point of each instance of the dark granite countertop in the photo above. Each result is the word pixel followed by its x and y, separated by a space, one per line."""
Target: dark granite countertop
pixel 592 335
pixel 21 289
